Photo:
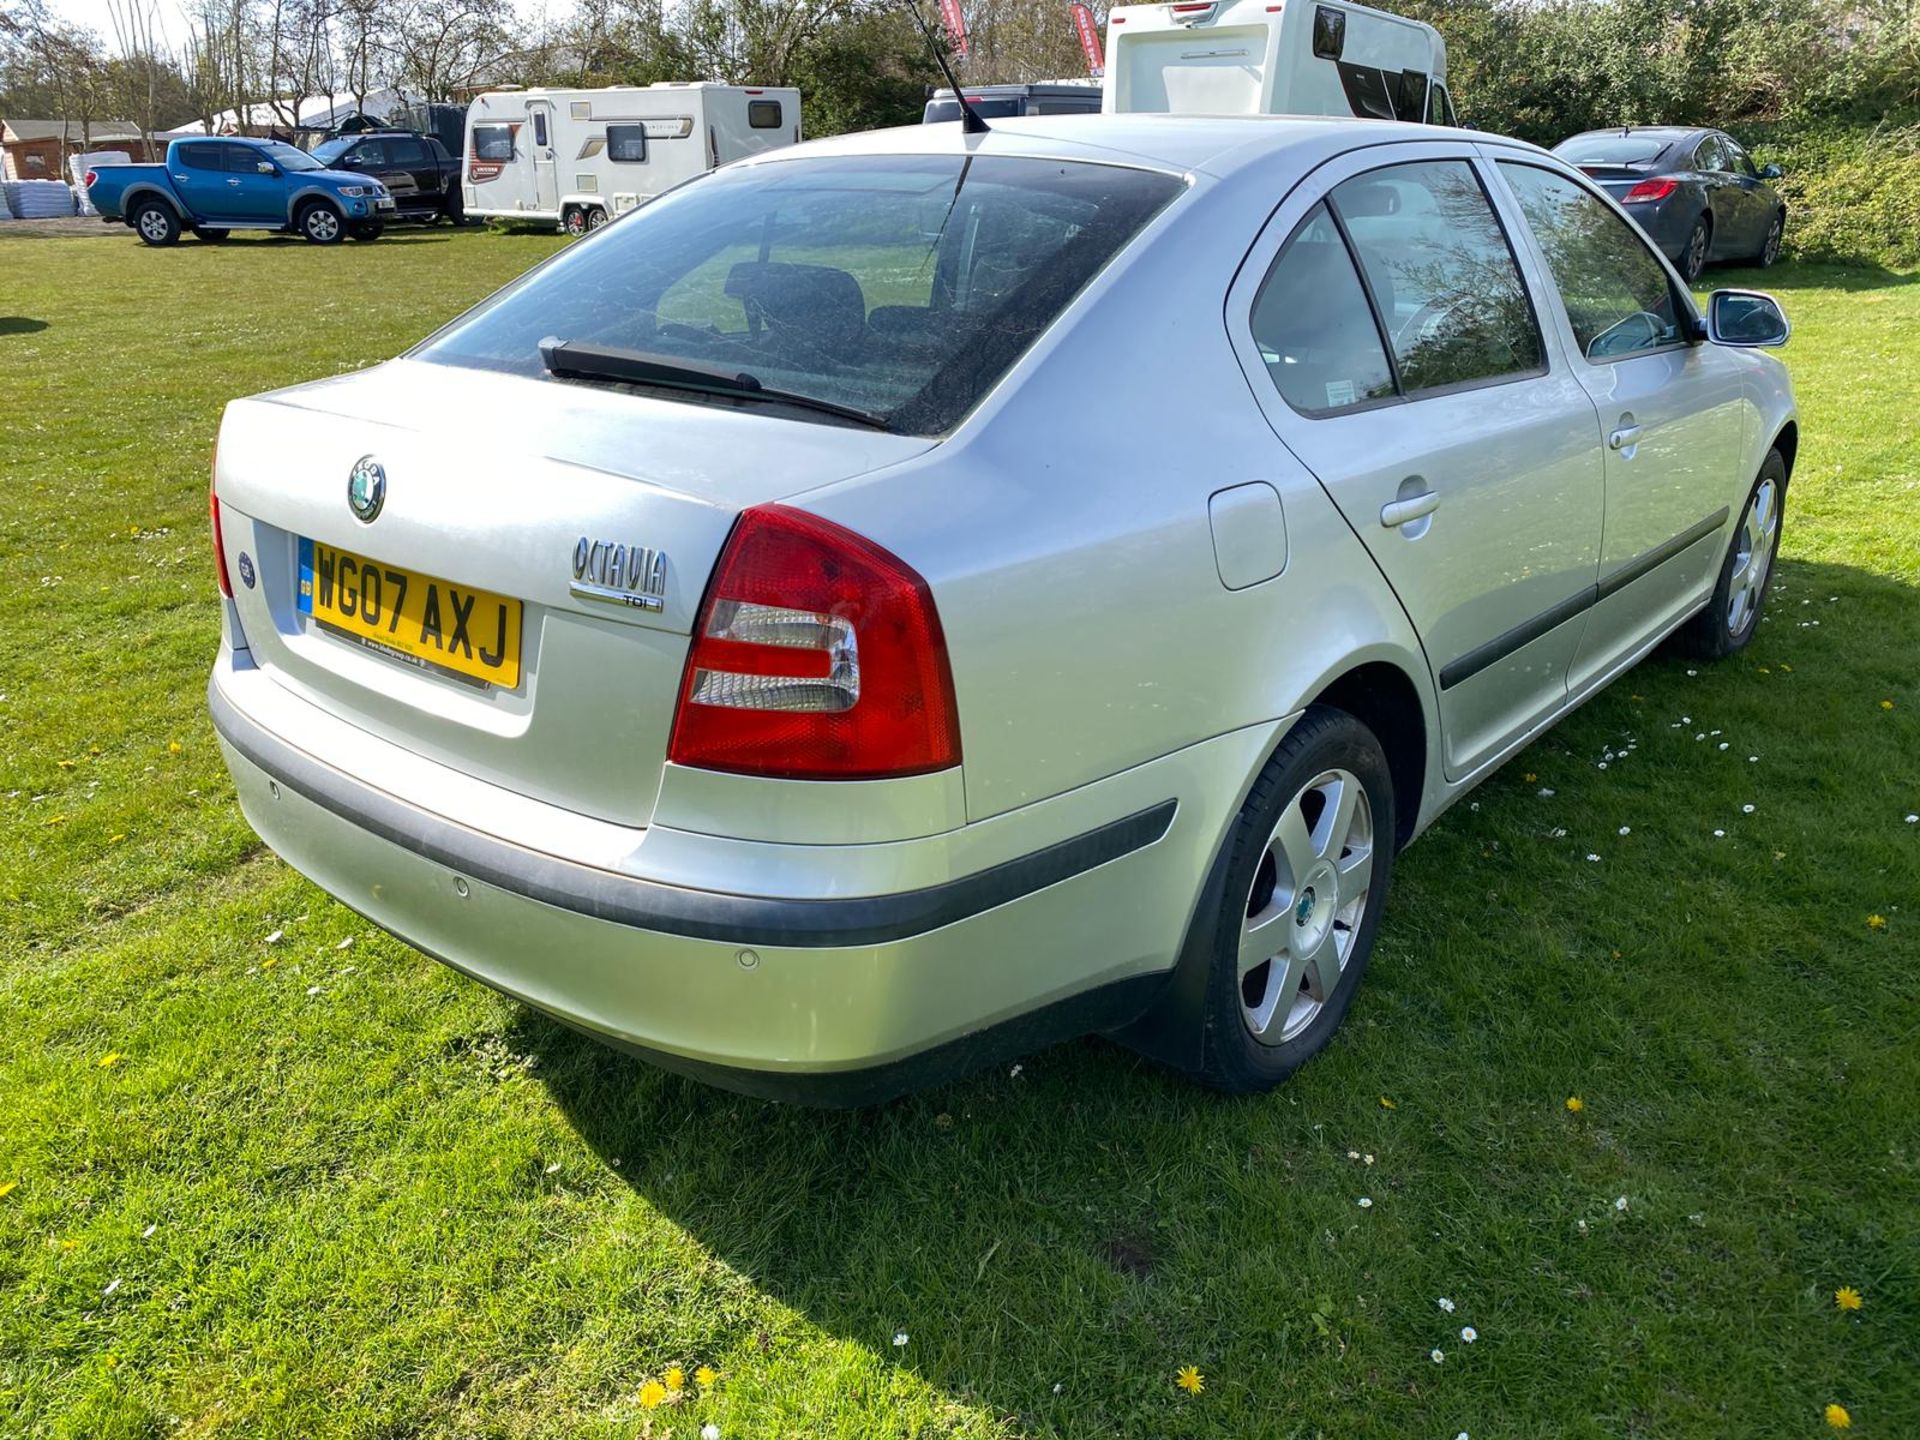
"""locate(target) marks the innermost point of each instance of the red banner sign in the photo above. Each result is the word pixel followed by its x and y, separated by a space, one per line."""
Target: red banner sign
pixel 956 26
pixel 1089 34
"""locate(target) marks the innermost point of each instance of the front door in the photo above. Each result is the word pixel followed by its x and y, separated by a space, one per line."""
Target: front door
pixel 254 194
pixel 546 185
pixel 1668 411
pixel 1404 366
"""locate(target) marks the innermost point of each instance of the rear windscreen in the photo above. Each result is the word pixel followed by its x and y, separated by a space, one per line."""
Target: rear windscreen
pixel 1623 150
pixel 901 286
pixel 986 107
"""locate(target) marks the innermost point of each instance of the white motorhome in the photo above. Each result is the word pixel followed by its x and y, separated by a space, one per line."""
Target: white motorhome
pixel 581 157
pixel 1274 57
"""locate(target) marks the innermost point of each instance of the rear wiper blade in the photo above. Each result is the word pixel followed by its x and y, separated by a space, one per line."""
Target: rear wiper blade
pixel 572 360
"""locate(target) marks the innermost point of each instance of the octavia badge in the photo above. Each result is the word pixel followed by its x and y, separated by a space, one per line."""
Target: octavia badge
pixel 630 575
pixel 366 489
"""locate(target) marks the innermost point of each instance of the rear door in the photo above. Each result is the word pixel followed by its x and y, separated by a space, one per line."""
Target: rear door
pixel 1391 340
pixel 409 157
pixel 199 172
pixel 1669 409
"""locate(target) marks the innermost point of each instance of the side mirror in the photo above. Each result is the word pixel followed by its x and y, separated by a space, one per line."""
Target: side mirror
pixel 1771 172
pixel 1746 318
pixel 266 167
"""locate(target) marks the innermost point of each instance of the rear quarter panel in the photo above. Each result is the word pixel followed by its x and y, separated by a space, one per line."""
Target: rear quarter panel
pixel 1064 530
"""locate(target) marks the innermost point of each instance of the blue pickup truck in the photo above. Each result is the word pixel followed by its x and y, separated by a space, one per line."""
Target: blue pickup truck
pixel 217 185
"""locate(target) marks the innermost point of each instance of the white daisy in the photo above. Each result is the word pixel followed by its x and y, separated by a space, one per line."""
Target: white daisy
pixel 1446 1304
pixel 1469 1334
pixel 1436 1356
pixel 1621 1203
pixel 1366 1202
pixel 899 1339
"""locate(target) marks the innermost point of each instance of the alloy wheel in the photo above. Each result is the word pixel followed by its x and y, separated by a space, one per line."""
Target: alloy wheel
pixel 322 224
pixel 1696 252
pixel 1770 252
pixel 1753 556
pixel 1308 897
pixel 153 224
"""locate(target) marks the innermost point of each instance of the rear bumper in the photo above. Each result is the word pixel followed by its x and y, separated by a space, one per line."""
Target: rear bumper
pixel 823 997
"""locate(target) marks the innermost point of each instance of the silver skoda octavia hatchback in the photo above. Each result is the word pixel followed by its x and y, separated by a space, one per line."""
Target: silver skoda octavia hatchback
pixel 912 597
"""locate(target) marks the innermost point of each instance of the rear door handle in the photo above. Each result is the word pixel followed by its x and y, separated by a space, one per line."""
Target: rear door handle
pixel 1625 438
pixel 1400 512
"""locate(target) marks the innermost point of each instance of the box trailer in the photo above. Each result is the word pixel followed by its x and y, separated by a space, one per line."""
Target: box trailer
pixel 580 157
pixel 1254 57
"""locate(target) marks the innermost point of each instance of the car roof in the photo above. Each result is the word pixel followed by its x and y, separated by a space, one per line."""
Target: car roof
pixel 1668 133
pixel 1215 144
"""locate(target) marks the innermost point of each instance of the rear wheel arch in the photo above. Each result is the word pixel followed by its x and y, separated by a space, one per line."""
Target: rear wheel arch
pixel 1383 697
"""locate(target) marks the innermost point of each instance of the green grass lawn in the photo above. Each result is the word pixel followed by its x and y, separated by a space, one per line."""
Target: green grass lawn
pixel 399 1205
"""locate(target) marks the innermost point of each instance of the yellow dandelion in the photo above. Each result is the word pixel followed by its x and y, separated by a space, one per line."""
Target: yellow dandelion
pixel 66 764
pixel 1876 922
pixel 1847 1298
pixel 56 820
pixel 8 1187
pixel 1787 668
pixel 1765 671
pixel 676 1379
pixel 1191 1380
pixel 652 1394
pixel 112 1057
pixel 1386 1104
pixel 116 839
pixel 269 962
pixel 1838 1417
pixel 1884 705
pixel 1531 777
pixel 705 1377
pixel 1576 1104
pixel 174 747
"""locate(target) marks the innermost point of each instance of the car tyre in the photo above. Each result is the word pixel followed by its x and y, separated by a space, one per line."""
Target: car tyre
pixel 574 220
pixel 1770 247
pixel 211 234
pixel 596 217
pixel 1728 623
pixel 1309 860
pixel 1693 255
pixel 155 223
pixel 321 223
pixel 369 230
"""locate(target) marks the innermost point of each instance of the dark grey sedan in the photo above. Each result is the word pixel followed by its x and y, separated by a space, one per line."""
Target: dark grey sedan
pixel 1696 192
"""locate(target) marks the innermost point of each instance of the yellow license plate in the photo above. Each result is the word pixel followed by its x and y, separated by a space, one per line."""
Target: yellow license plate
pixel 455 627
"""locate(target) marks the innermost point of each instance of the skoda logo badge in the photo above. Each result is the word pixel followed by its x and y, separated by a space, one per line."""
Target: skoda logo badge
pixel 367 489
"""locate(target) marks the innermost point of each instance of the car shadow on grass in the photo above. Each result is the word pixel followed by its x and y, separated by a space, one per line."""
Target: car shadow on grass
pixel 1805 275
pixel 20 325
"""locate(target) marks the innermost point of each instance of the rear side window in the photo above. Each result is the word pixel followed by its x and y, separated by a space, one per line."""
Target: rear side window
pixel 204 157
pixel 1441 275
pixel 1314 327
pixel 1618 298
pixel 627 144
pixel 493 142
pixel 243 159
pixel 763 114
pixel 406 152
pixel 1710 155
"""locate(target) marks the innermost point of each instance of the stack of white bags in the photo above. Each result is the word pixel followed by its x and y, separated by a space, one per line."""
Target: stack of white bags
pixel 78 165
pixel 38 199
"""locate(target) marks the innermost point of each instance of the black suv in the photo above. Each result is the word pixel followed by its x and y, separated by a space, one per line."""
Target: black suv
pixel 424 178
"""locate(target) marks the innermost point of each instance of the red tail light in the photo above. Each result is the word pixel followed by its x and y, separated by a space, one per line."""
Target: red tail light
pixel 219 548
pixel 89 178
pixel 1648 191
pixel 816 656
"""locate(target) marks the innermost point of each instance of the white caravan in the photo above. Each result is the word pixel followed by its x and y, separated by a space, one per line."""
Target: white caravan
pixel 1256 57
pixel 581 157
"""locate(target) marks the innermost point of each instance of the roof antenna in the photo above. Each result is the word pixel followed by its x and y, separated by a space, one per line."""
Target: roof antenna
pixel 970 121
